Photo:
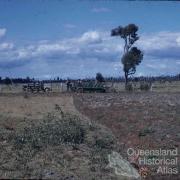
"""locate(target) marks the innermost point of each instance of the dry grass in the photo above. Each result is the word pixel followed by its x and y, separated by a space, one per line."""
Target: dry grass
pixel 34 106
pixel 44 136
pixel 173 86
pixel 61 145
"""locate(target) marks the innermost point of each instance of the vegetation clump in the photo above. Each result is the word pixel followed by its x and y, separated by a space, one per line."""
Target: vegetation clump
pixel 100 78
pixel 55 147
pixel 52 131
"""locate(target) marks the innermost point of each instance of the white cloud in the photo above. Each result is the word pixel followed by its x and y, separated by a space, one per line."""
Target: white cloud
pixel 162 44
pixel 93 51
pixel 69 26
pixel 45 48
pixel 91 44
pixel 178 62
pixel 151 66
pixel 6 46
pixel 117 66
pixel 2 32
pixel 100 10
pixel 178 40
pixel 157 66
pixel 22 53
pixel 91 37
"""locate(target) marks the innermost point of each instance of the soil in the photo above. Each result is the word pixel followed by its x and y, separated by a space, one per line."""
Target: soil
pixel 45 137
pixel 138 120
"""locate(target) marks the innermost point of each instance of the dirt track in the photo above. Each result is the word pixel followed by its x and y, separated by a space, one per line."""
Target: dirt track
pixel 138 120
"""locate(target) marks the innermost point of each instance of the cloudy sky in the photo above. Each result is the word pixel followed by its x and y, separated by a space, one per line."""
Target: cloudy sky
pixel 71 38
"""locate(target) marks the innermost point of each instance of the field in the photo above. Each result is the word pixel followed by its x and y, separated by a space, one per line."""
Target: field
pixel 71 136
pixel 157 86
pixel 46 137
pixel 138 120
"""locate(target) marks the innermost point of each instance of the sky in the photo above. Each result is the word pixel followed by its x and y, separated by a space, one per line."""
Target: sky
pixel 71 38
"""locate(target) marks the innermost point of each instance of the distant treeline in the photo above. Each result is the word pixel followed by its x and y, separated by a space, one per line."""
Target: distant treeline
pixel 8 80
pixel 169 78
pixel 146 78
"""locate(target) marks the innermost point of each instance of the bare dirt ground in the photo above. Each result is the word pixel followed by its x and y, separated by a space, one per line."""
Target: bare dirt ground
pixel 138 120
pixel 45 137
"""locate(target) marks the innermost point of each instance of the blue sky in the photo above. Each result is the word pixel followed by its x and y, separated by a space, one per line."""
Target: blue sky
pixel 71 38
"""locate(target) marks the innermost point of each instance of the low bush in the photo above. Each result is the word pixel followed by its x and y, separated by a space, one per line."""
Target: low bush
pixel 104 142
pixel 67 129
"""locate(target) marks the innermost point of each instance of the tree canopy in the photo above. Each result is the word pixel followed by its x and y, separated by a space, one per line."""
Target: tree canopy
pixel 131 59
pixel 99 77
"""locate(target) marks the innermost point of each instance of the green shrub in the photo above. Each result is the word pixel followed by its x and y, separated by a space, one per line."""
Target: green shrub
pixel 104 142
pixel 67 129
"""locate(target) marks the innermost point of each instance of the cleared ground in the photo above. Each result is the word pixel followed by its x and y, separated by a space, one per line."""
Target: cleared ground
pixel 137 120
pixel 45 137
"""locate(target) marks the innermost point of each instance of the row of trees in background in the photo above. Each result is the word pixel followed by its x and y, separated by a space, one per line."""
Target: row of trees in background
pixel 99 77
pixel 8 80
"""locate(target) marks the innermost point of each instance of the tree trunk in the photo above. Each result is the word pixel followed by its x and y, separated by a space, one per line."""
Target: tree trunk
pixel 125 46
pixel 125 51
pixel 126 78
